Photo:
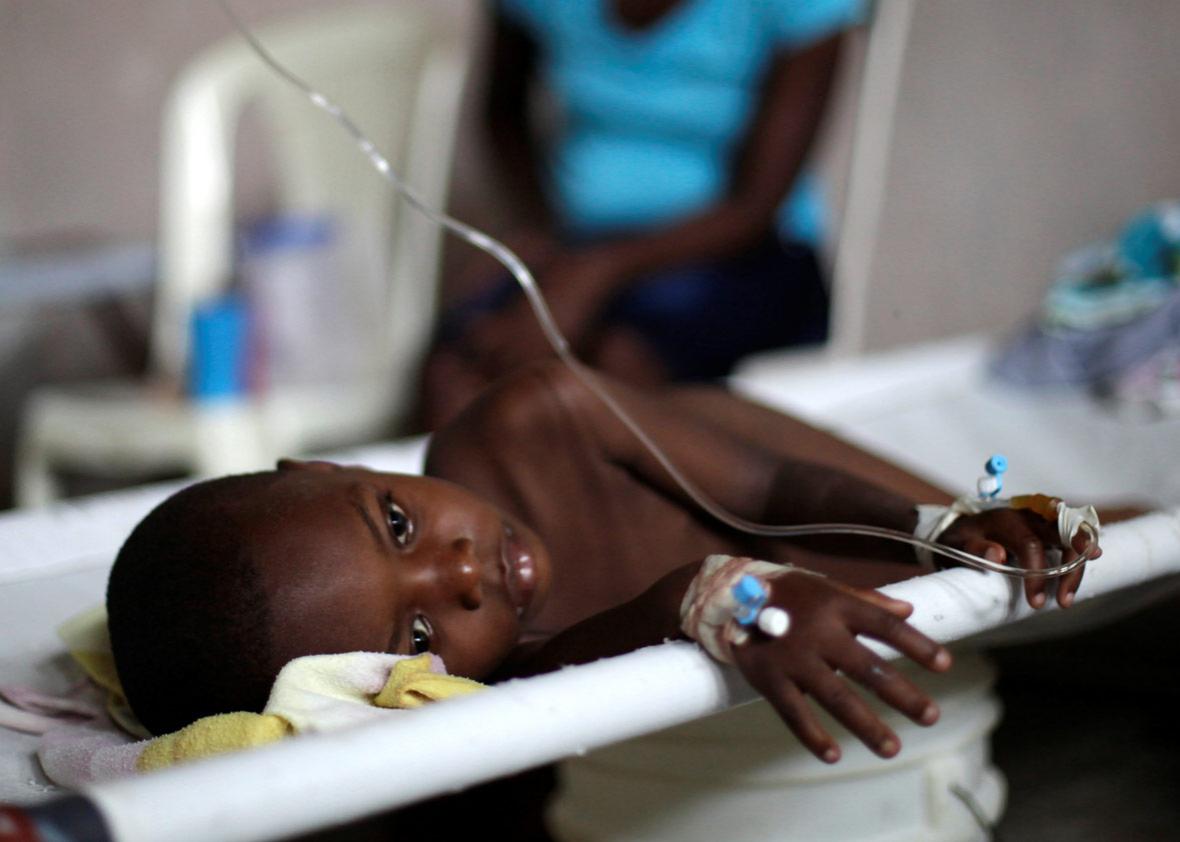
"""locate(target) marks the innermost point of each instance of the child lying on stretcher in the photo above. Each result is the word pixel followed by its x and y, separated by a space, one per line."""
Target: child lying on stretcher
pixel 542 534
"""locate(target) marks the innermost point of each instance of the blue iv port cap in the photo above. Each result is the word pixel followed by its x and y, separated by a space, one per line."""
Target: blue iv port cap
pixel 996 465
pixel 748 590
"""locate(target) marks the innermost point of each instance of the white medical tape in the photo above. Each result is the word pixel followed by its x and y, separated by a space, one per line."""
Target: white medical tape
pixel 933 520
pixel 707 610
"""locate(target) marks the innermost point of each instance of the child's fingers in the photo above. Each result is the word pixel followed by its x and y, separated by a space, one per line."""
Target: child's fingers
pixel 1070 582
pixel 897 607
pixel 900 635
pixel 987 549
pixel 1032 557
pixel 1027 534
pixel 1067 586
pixel 793 709
pixel 1082 542
pixel 839 699
pixel 1011 538
pixel 890 685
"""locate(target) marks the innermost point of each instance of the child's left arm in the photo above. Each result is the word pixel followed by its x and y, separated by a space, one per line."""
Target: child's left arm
pixel 773 488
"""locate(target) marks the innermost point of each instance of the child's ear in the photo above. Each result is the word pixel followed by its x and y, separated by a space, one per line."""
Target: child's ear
pixel 318 466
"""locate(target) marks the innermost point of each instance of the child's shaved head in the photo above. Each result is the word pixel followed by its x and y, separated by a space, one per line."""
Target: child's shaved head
pixel 189 616
pixel 228 580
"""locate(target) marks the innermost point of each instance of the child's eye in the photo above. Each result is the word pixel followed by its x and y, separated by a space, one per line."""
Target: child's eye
pixel 420 635
pixel 399 523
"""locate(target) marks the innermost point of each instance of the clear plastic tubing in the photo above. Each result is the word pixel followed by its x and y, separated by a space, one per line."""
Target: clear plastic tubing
pixel 528 285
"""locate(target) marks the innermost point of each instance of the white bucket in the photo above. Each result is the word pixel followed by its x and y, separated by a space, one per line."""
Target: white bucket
pixel 739 775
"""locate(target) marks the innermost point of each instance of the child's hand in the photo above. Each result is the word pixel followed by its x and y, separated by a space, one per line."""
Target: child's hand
pixel 1021 537
pixel 825 618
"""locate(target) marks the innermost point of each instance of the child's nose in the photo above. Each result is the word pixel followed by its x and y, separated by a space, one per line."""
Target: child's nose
pixel 465 574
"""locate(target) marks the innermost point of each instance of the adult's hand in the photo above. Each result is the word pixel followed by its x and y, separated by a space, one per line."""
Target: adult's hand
pixel 575 286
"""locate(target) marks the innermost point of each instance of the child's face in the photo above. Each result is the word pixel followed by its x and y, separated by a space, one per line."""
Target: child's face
pixel 356 560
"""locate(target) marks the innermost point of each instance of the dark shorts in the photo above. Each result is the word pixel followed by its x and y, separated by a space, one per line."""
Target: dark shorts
pixel 701 318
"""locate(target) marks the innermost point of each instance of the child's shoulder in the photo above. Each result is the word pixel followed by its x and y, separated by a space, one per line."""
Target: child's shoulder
pixel 540 405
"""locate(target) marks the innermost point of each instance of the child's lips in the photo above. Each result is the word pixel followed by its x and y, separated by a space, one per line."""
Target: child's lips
pixel 520 570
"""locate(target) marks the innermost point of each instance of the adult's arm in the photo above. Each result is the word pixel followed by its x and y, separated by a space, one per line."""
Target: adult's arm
pixel 516 153
pixel 794 96
pixel 579 282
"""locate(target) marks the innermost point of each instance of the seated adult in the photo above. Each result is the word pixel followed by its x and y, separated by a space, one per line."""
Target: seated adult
pixel 664 208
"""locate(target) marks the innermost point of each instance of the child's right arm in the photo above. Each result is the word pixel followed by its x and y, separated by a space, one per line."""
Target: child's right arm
pixel 817 657
pixel 820 655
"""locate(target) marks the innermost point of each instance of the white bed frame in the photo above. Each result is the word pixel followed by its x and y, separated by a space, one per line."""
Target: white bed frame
pixel 931 404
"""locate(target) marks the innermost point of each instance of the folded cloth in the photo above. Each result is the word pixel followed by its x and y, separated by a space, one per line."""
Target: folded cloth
pixel 1111 283
pixel 1093 290
pixel 1113 306
pixel 73 756
pixel 89 643
pixel 24 709
pixel 1041 357
pixel 1149 245
pixel 1149 390
pixel 313 693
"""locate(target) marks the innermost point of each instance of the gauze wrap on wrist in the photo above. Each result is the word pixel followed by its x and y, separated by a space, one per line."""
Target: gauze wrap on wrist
pixel 935 520
pixel 706 613
pixel 1071 519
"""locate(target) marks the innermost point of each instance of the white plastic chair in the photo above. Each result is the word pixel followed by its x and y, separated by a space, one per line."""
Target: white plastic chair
pixel 399 73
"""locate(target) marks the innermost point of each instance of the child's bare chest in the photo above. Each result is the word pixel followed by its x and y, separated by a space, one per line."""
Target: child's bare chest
pixel 610 537
pixel 609 534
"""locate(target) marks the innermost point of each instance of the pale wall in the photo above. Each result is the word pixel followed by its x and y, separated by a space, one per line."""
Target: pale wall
pixel 81 90
pixel 1025 128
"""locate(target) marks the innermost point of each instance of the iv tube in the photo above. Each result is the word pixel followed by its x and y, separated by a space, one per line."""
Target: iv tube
pixel 553 335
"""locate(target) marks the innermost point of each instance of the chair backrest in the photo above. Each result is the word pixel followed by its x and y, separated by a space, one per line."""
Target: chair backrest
pixel 398 72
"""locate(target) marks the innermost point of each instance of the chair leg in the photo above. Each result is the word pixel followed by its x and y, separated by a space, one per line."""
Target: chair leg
pixel 36 483
pixel 230 440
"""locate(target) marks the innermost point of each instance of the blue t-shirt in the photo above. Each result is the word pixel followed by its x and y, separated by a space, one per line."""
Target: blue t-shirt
pixel 648 119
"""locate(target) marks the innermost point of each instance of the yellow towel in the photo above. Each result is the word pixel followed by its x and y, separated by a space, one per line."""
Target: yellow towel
pixel 89 643
pixel 212 735
pixel 314 693
pixel 412 684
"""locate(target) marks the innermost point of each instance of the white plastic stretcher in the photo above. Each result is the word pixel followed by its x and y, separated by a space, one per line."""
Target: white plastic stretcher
pixel 927 408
